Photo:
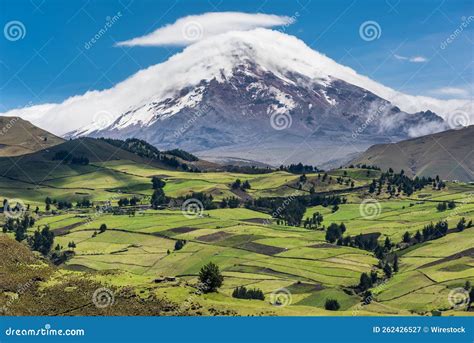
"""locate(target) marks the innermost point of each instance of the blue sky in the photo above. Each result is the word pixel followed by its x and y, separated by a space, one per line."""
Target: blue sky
pixel 50 63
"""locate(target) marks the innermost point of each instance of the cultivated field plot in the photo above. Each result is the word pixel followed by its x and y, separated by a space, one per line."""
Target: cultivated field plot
pixel 294 266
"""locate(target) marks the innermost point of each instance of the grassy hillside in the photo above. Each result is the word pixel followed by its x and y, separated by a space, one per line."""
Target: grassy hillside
pixel 447 154
pixel 295 266
pixel 19 137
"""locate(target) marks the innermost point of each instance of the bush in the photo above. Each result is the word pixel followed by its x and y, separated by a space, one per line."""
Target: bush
pixel 332 305
pixel 244 293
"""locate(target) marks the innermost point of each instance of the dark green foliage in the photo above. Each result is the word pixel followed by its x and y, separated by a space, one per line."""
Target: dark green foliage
pixel 232 202
pixel 334 232
pixel 102 228
pixel 236 184
pixel 146 150
pixel 65 157
pixel 406 237
pixel 157 182
pixel 184 155
pixel 206 200
pixel 180 243
pixel 365 282
pixel 42 241
pixel 395 263
pixel 387 270
pixel 19 226
pixel 442 206
pixel 244 293
pixel 461 224
pixel 210 277
pixel 332 305
pixel 299 168
pixel 158 198
pixel 84 203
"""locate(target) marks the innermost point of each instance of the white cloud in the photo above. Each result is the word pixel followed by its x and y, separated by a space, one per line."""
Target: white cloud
pixel 399 57
pixel 418 59
pixel 193 28
pixel 454 91
pixel 414 59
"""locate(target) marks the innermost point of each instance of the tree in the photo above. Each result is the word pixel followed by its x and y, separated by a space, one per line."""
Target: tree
pixel 332 305
pixel 387 270
pixel 158 198
pixel 395 263
pixel 365 282
pixel 102 228
pixel 387 244
pixel 418 236
pixel 237 183
pixel 246 185
pixel 211 277
pixel 71 245
pixel 406 237
pixel 157 182
pixel 179 244
pixel 42 241
pixel 441 206
pixel 461 225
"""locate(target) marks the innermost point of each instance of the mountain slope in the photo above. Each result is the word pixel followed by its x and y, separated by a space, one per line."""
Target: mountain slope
pixel 448 154
pixel 226 96
pixel 19 137
pixel 212 58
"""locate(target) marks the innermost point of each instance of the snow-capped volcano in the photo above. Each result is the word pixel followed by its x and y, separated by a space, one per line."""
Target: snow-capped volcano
pixel 222 95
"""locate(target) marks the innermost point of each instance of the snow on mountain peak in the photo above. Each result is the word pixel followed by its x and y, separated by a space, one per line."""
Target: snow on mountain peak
pixel 144 97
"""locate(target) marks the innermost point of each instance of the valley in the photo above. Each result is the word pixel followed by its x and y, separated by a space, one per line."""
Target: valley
pixel 142 225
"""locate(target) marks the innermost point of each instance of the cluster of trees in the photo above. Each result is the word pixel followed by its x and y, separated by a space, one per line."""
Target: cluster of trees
pixel 206 200
pixel 232 202
pixel 179 244
pixel 292 209
pixel 19 226
pixel 184 155
pixel 348 182
pixel 399 183
pixel 247 169
pixel 463 225
pixel 158 197
pixel 60 204
pixel 210 277
pixel 314 222
pixel 42 241
pixel 244 293
pixel 368 281
pixel 364 166
pixel 443 206
pixel 335 232
pixel 432 231
pixel 66 157
pixel 84 203
pixel 133 201
pixel 299 168
pixel 237 184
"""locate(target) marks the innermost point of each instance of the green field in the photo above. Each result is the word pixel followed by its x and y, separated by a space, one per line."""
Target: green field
pixel 250 248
